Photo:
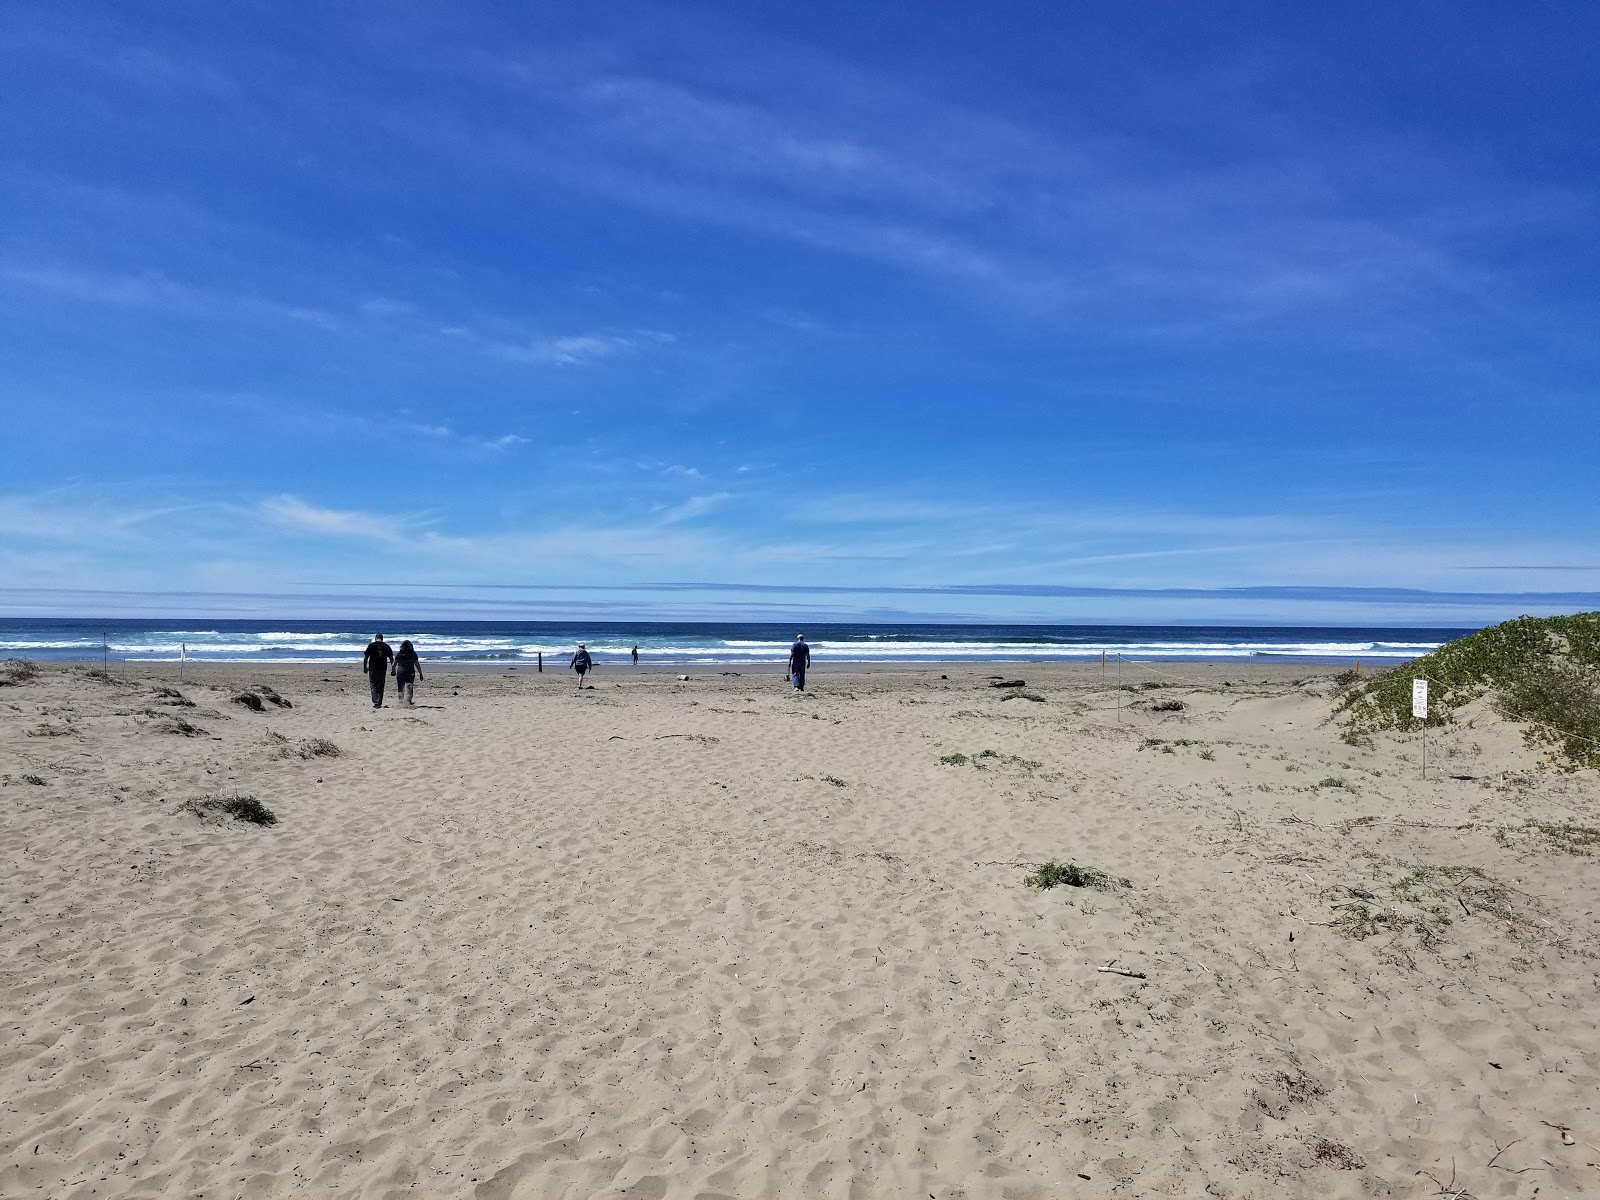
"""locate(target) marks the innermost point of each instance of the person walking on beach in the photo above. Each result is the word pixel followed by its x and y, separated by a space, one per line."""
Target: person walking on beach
pixel 799 660
pixel 375 662
pixel 581 662
pixel 407 668
pixel 636 656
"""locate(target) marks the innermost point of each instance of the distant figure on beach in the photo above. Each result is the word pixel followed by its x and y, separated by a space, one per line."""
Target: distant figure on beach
pixel 407 669
pixel 799 660
pixel 375 662
pixel 581 662
pixel 636 656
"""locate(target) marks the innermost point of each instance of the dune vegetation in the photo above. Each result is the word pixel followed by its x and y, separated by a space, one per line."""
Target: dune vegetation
pixel 1542 672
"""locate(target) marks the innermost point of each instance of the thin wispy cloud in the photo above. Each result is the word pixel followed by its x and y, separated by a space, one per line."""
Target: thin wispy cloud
pixel 296 514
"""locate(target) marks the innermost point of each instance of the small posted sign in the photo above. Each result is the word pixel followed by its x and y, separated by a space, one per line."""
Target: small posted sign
pixel 1419 699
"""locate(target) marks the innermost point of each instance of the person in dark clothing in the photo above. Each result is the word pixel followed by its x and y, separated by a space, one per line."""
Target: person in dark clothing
pixel 581 663
pixel 799 660
pixel 375 662
pixel 407 669
pixel 636 656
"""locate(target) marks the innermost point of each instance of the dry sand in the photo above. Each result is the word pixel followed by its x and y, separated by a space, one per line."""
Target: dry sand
pixel 710 939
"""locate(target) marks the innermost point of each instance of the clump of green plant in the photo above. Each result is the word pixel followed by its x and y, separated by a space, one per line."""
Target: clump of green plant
pixel 1583 840
pixel 239 807
pixel 1054 874
pixel 1345 679
pixel 988 754
pixel 1358 922
pixel 250 700
pixel 1428 899
pixel 1331 781
pixel 1171 704
pixel 14 671
pixel 953 760
pixel 834 780
pixel 173 697
pixel 35 780
pixel 1034 696
pixel 1541 670
pixel 1208 755
pixel 45 729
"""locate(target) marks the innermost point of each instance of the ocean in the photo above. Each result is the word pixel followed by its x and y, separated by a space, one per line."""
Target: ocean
pixel 686 643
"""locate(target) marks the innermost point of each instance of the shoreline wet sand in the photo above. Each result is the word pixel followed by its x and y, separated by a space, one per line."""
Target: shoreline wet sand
pixel 707 938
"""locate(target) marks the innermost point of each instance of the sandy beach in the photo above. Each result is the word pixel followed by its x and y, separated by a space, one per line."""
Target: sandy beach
pixel 706 938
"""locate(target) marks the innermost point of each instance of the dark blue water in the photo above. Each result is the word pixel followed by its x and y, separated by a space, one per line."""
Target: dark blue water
pixel 701 642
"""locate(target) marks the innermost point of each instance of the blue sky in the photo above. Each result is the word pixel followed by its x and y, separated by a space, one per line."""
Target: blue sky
pixel 1012 311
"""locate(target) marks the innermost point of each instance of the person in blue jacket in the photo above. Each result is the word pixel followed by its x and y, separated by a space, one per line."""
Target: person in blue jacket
pixel 799 660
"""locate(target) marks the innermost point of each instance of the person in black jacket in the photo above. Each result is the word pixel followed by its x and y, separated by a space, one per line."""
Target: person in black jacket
pixel 375 662
pixel 581 662
pixel 799 660
pixel 407 669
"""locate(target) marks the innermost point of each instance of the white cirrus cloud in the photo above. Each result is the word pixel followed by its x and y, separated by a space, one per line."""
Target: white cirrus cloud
pixel 294 513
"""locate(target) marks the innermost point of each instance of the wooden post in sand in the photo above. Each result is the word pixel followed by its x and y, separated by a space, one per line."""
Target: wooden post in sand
pixel 1119 687
pixel 1419 710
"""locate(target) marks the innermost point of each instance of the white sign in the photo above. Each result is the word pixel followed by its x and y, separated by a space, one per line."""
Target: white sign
pixel 1419 699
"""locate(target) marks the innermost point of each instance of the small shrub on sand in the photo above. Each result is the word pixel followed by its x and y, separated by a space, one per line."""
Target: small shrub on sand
pixel 1337 1154
pixel 1582 840
pixel 1054 874
pixel 16 670
pixel 1331 781
pixel 173 697
pixel 833 779
pixel 1169 705
pixel 174 724
pixel 35 780
pixel 239 807
pixel 1034 696
pixel 45 729
pixel 317 747
pixel 953 760
pixel 258 696
pixel 1429 899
